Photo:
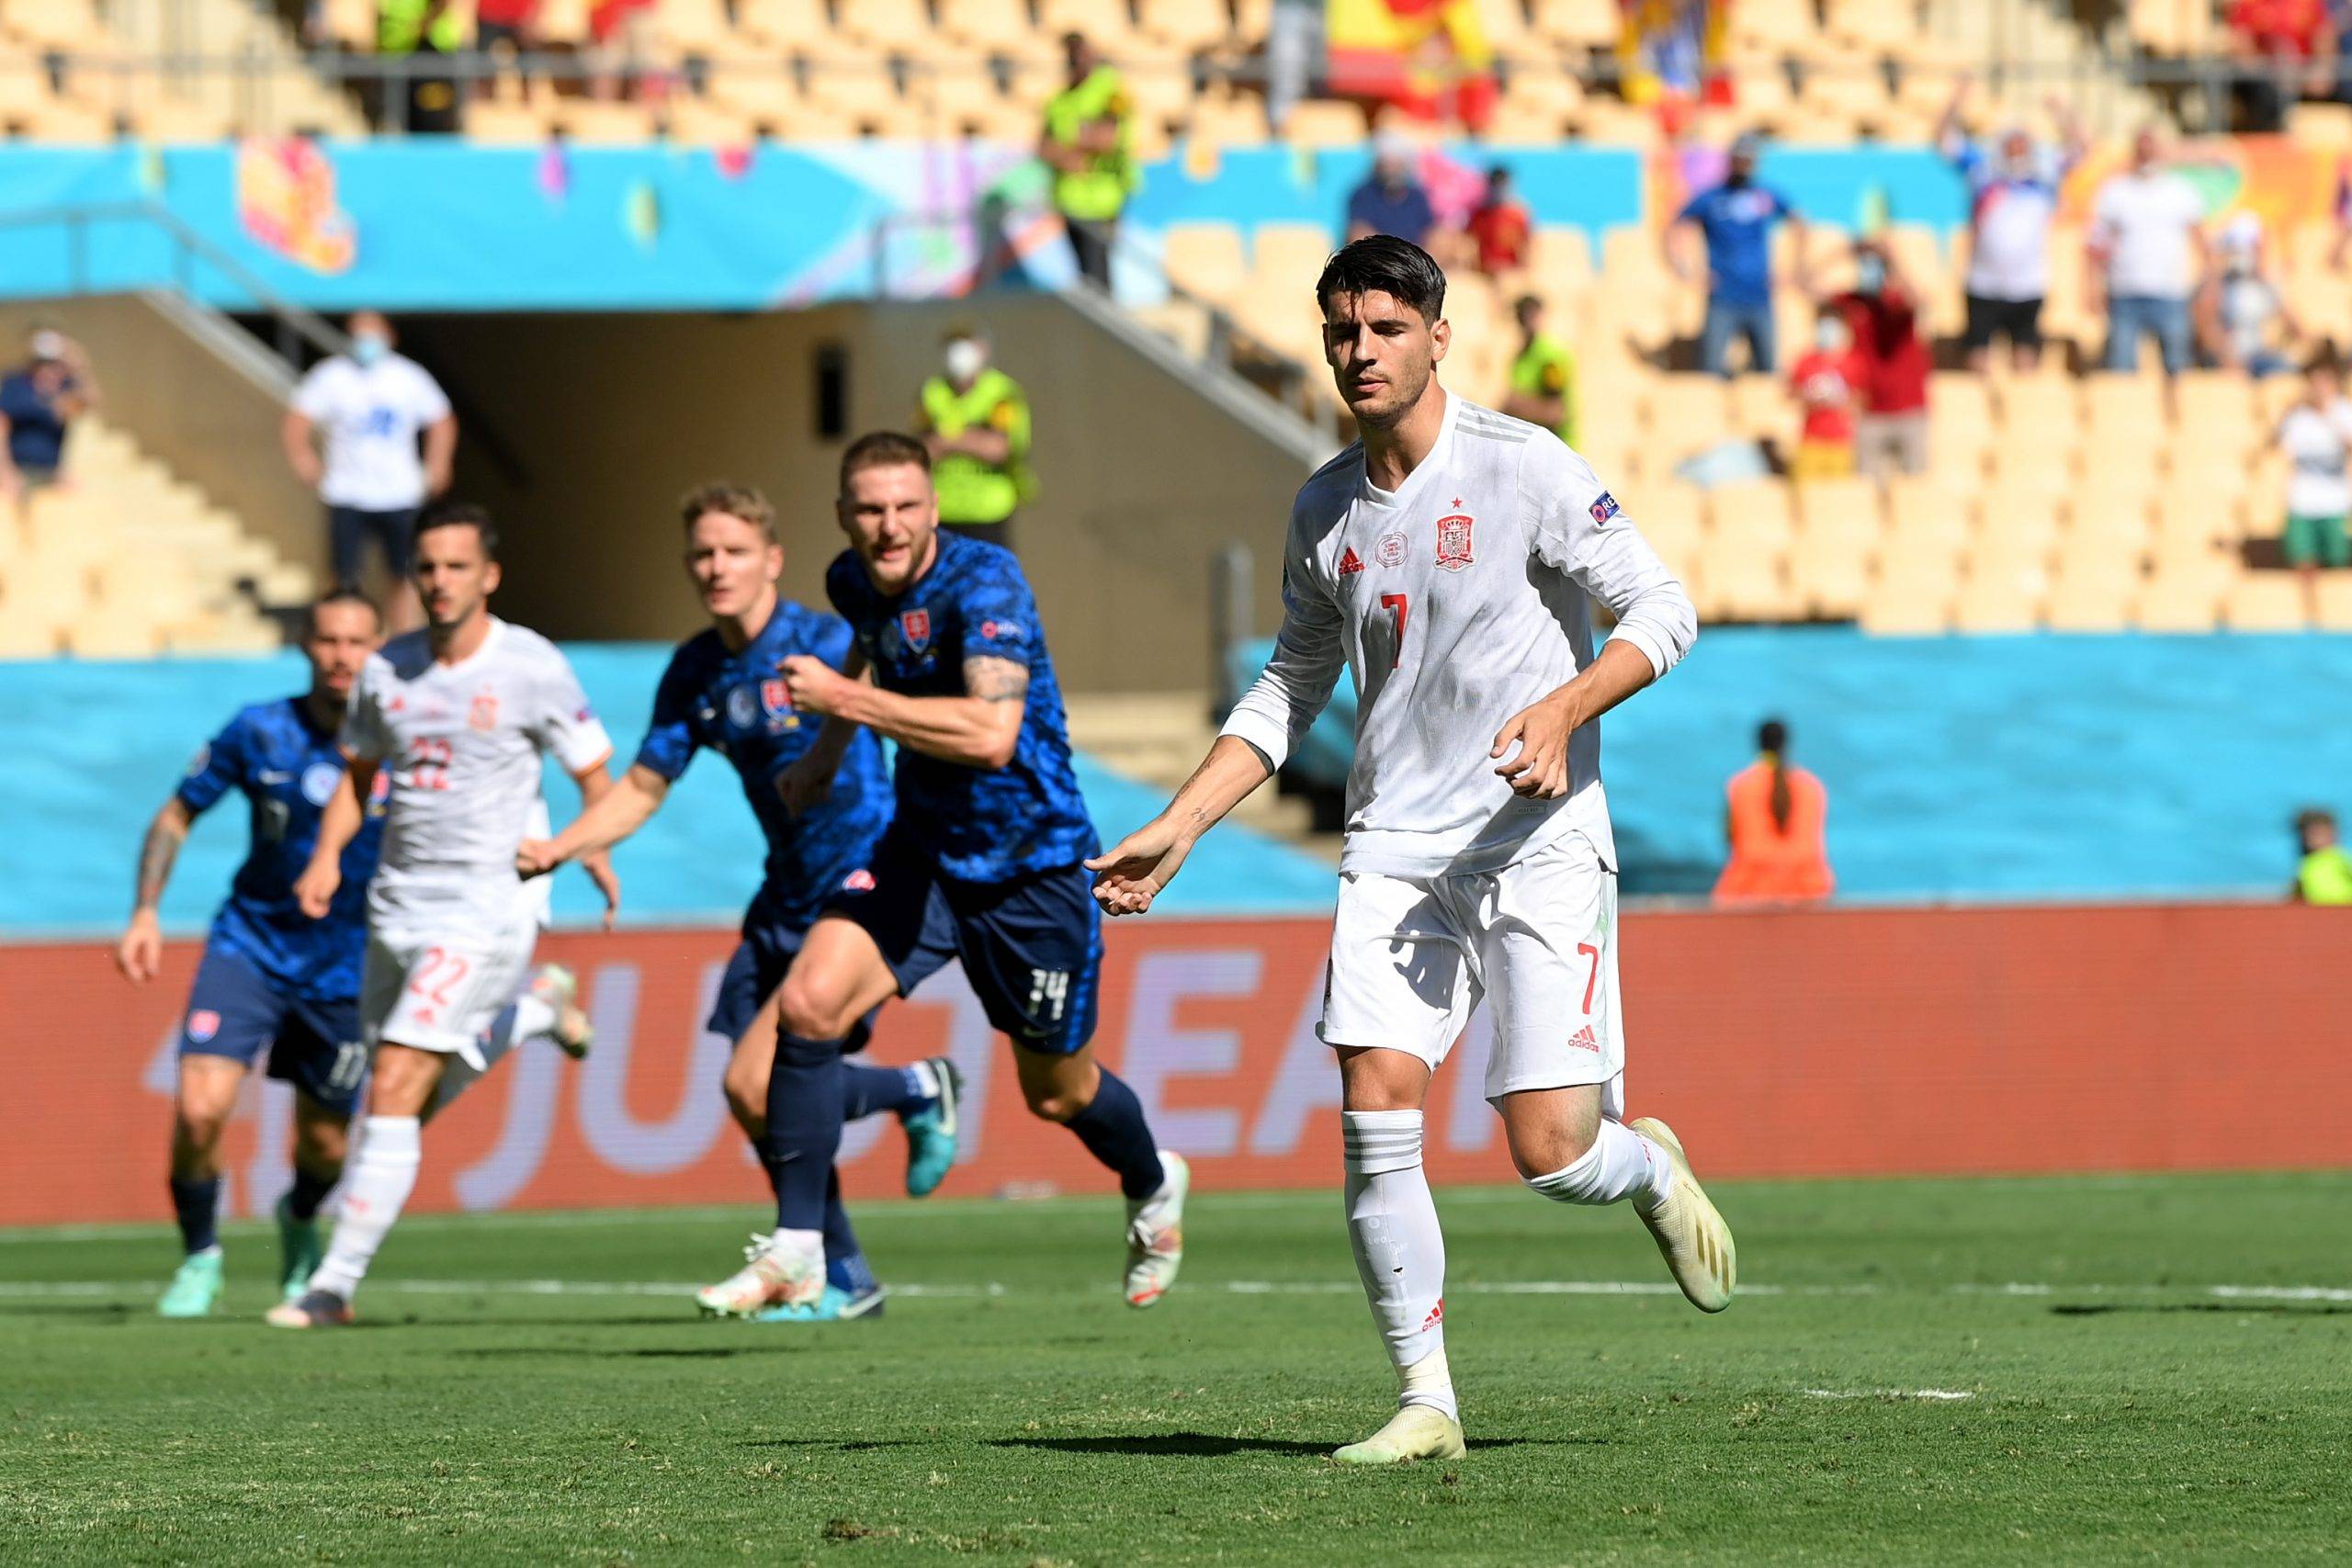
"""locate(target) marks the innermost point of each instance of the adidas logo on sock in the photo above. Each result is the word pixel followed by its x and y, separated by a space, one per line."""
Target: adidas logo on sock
pixel 1436 1316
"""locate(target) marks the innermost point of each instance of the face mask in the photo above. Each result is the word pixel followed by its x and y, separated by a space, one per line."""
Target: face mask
pixel 369 349
pixel 965 359
pixel 1870 275
pixel 1740 179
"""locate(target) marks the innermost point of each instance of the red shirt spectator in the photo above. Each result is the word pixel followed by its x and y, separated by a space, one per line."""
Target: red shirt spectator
pixel 1824 383
pixel 510 15
pixel 2276 27
pixel 1500 225
pixel 1890 355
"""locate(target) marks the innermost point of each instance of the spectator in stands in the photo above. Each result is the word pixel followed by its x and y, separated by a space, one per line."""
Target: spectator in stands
pixel 2285 48
pixel 2241 315
pixel 420 32
pixel 1737 218
pixel 1890 359
pixel 505 29
pixel 1390 200
pixel 974 419
pixel 1543 375
pixel 2316 436
pixel 2147 249
pixel 1775 819
pixel 39 400
pixel 2322 871
pixel 369 406
pixel 2013 190
pixel 620 35
pixel 1089 142
pixel 1822 382
pixel 1500 225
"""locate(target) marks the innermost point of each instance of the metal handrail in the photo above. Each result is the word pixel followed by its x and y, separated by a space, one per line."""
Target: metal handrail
pixel 295 324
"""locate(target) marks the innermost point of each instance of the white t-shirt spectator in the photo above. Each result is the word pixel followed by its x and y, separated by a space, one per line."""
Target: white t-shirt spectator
pixel 2320 445
pixel 2143 222
pixel 2009 217
pixel 372 416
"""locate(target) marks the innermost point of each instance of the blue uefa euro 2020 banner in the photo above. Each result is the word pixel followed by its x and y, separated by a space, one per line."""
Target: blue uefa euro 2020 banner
pixel 442 225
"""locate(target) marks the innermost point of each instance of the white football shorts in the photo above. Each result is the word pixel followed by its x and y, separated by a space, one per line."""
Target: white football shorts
pixel 1411 956
pixel 443 993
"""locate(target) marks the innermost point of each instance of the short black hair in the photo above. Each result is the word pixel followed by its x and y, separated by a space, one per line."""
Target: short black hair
pixel 343 595
pixel 1385 264
pixel 461 514
pixel 1772 735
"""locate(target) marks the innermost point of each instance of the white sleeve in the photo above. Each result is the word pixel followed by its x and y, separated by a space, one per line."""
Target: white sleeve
pixel 365 734
pixel 432 405
pixel 1576 526
pixel 566 724
pixel 1276 713
pixel 313 399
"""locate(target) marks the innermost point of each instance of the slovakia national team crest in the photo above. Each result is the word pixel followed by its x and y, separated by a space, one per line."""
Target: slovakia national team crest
pixel 203 1024
pixel 775 697
pixel 914 630
pixel 1454 541
pixel 483 713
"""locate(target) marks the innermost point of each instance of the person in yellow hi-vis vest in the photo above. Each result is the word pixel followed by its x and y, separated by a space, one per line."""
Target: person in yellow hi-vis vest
pixel 976 421
pixel 1543 377
pixel 422 29
pixel 1089 142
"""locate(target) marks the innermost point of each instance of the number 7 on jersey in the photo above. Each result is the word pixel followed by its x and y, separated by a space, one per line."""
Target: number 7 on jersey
pixel 1396 605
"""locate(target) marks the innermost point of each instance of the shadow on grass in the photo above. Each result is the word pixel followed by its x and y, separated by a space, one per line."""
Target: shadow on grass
pixel 2230 1309
pixel 1195 1445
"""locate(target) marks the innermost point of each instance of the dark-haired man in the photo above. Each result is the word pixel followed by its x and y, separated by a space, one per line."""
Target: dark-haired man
pixel 725 690
pixel 980 861
pixel 456 715
pixel 1450 558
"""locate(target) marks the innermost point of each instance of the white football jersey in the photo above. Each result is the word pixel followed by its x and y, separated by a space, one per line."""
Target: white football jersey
pixel 461 743
pixel 1456 601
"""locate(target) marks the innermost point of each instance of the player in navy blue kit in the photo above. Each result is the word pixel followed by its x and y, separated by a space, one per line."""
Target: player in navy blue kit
pixel 271 977
pixel 981 861
pixel 725 690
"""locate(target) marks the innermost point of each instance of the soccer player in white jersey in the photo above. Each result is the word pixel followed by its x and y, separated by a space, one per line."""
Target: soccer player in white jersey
pixel 458 715
pixel 1449 560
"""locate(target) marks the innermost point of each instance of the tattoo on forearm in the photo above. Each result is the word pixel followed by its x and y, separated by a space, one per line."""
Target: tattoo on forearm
pixel 155 858
pixel 996 679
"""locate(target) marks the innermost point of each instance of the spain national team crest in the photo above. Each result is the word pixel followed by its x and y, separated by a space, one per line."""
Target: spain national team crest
pixel 1454 541
pixel 483 713
pixel 914 630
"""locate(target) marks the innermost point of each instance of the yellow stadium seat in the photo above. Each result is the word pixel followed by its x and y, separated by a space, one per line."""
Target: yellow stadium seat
pixel 2179 600
pixel 1579 24
pixel 1688 412
pixel 1756 513
pixel 1321 123
pixel 1921 507
pixel 2264 601
pixel 1909 610
pixel 1206 259
pixel 2335 600
pixel 596 123
pixel 1997 600
pixel 498 124
pixel 1285 259
pixel 2089 604
pixel 1829 573
pixel 1187 25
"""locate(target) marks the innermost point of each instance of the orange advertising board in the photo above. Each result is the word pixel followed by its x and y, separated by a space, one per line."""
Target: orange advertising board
pixel 1779 1044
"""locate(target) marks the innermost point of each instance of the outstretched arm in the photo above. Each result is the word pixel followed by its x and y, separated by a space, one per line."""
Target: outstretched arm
pixel 1131 872
pixel 141 951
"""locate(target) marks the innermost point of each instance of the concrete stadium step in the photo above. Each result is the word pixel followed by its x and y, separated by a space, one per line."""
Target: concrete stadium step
pixel 1158 738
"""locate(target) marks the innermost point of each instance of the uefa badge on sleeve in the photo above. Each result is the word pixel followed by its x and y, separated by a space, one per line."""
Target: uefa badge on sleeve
pixel 203 1023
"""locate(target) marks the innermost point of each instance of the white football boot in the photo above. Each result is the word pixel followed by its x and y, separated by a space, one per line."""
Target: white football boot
pixel 1156 1234
pixel 775 1274
pixel 1417 1431
pixel 1696 1242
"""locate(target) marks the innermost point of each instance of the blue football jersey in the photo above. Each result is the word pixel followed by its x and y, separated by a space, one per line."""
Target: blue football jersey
pixel 736 704
pixel 289 771
pixel 985 823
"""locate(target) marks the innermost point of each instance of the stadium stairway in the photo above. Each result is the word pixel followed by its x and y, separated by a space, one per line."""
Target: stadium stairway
pixel 126 560
pixel 1158 738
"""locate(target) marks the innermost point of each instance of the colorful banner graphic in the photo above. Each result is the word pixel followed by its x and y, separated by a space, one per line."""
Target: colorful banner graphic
pixel 1814 1043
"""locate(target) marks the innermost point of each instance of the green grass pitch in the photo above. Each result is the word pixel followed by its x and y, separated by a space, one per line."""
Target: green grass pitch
pixel 2062 1371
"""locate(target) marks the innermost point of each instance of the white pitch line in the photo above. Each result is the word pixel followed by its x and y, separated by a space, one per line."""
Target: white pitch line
pixel 29 1289
pixel 1889 1393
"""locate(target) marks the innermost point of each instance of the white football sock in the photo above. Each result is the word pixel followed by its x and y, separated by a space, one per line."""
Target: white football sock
pixel 1621 1163
pixel 1400 1251
pixel 374 1186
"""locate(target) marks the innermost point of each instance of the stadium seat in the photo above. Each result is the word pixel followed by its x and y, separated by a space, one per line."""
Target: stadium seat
pixel 2264 601
pixel 1206 259
pixel 2180 600
pixel 2335 600
pixel 1997 599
